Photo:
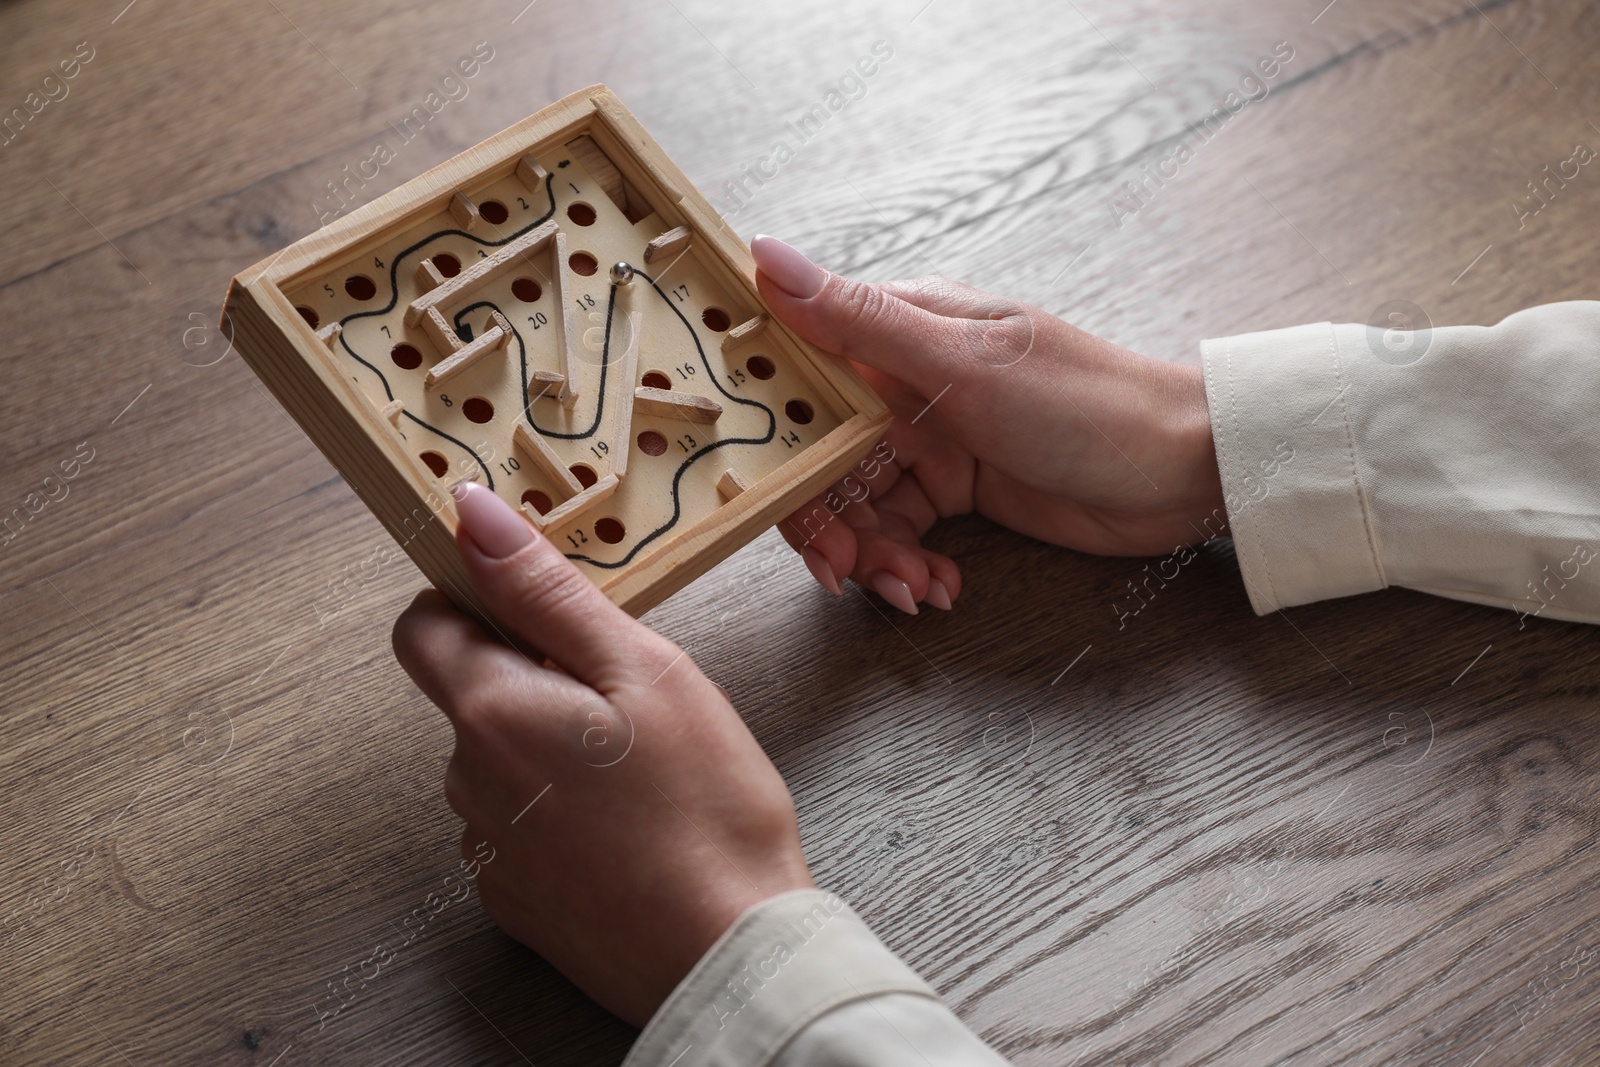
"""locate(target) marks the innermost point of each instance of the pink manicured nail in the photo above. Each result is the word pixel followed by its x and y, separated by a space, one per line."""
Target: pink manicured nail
pixel 894 591
pixel 817 564
pixel 490 522
pixel 938 595
pixel 787 266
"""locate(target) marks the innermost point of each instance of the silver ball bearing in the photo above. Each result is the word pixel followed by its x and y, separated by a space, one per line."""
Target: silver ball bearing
pixel 621 273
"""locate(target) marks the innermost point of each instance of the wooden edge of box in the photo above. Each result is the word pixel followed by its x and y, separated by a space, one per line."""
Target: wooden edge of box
pixel 743 519
pixel 418 514
pixel 425 195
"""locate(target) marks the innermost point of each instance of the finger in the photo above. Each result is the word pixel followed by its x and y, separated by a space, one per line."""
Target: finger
pixel 460 667
pixel 905 512
pixel 858 320
pixel 440 648
pixel 957 300
pixel 826 545
pixel 540 597
pixel 895 570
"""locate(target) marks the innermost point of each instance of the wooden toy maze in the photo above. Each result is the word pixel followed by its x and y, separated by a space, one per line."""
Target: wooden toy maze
pixel 559 316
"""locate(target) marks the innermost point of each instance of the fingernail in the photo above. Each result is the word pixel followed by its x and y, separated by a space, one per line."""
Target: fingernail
pixel 894 591
pixel 787 266
pixel 490 522
pixel 938 595
pixel 817 564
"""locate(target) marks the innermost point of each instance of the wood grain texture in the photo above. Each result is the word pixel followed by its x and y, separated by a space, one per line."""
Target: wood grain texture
pixel 1359 832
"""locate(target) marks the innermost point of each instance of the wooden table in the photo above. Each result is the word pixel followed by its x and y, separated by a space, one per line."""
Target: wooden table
pixel 1357 832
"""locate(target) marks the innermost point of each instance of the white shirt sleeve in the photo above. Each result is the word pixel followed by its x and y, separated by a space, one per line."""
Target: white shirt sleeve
pixel 1462 461
pixel 799 981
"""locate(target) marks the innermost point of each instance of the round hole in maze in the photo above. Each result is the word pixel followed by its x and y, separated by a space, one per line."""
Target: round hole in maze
pixel 526 290
pixel 584 473
pixel 436 463
pixel 610 530
pixel 477 409
pixel 760 367
pixel 538 501
pixel 652 443
pixel 360 287
pixel 493 212
pixel 656 380
pixel 309 315
pixel 799 411
pixel 581 213
pixel 405 356
pixel 447 264
pixel 716 319
pixel 583 263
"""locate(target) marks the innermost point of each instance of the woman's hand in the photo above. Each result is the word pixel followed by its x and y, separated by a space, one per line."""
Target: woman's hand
pixel 1002 409
pixel 633 817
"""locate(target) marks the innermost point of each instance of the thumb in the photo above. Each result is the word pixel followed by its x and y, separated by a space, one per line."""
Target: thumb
pixel 858 320
pixel 539 598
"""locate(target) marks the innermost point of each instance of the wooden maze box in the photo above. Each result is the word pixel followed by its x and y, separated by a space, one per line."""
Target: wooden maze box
pixel 559 315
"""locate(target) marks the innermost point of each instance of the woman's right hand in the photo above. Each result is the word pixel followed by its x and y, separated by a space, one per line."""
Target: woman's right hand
pixel 1000 409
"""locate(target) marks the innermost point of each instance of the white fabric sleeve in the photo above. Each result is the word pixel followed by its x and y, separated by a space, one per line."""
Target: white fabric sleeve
pixel 799 981
pixel 1462 461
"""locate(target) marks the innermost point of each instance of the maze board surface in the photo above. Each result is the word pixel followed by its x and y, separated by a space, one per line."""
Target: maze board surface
pixel 559 316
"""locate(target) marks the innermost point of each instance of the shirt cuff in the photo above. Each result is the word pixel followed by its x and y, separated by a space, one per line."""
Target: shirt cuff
pixel 1300 517
pixel 781 965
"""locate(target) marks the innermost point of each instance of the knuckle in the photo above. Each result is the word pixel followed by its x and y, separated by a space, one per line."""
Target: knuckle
pixel 458 791
pixel 1006 336
pixel 472 791
pixel 474 707
pixel 862 306
pixel 403 637
pixel 922 283
pixel 406 637
pixel 476 700
pixel 934 288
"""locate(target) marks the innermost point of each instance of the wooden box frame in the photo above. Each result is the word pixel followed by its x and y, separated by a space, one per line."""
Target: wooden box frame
pixel 300 370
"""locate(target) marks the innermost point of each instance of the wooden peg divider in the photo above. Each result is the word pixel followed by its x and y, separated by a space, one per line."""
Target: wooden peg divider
pixel 627 373
pixel 581 503
pixel 537 449
pixel 743 332
pixel 491 340
pixel 531 174
pixel 730 484
pixel 465 212
pixel 670 404
pixel 429 276
pixel 667 244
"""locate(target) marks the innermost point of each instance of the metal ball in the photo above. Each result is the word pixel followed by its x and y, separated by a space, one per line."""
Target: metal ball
pixel 622 273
